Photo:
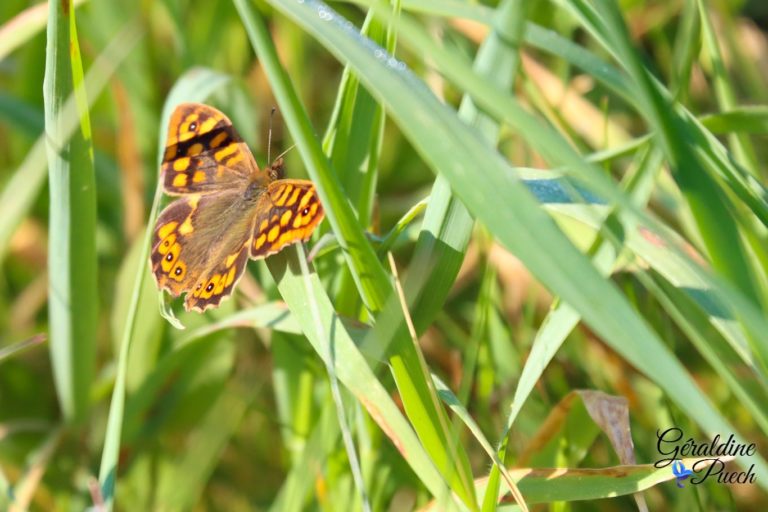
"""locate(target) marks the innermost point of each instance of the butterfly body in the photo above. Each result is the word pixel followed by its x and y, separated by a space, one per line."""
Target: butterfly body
pixel 227 210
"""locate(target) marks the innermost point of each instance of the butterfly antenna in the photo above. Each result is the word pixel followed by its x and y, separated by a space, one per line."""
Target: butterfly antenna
pixel 269 136
pixel 281 155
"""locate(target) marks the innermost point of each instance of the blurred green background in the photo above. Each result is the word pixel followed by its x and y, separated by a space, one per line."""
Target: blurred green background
pixel 615 241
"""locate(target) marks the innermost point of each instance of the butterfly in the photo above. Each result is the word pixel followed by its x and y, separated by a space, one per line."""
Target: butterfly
pixel 227 211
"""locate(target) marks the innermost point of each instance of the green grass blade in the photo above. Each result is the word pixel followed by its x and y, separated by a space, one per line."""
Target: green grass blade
pixel 183 487
pixel 72 306
pixel 447 396
pixel 746 119
pixel 718 230
pixel 352 368
pixel 562 318
pixel 543 485
pixel 726 96
pixel 318 446
pixel 330 364
pixel 549 144
pixel 686 48
pixel 447 224
pixel 351 142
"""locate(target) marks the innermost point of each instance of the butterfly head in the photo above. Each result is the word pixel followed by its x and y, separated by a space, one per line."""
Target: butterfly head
pixel 276 171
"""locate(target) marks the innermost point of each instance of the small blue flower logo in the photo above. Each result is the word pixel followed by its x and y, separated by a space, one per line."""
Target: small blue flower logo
pixel 680 472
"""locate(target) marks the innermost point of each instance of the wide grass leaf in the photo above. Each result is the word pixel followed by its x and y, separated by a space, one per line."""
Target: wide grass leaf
pixel 73 301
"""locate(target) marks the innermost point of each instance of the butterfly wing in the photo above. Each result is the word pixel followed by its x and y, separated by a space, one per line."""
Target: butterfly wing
pixel 201 240
pixel 290 211
pixel 218 281
pixel 204 153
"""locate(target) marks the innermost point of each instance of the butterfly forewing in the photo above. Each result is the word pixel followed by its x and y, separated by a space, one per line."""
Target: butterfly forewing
pixel 290 213
pixel 204 153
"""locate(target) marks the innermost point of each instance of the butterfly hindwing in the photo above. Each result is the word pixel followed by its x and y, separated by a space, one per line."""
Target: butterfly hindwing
pixel 170 246
pixel 217 282
pixel 289 213
pixel 204 153
pixel 198 237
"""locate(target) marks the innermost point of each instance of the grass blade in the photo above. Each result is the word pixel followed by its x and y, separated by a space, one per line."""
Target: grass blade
pixel 73 298
pixel 196 85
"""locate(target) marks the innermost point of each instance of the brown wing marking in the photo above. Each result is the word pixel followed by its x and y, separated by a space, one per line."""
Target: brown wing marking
pixel 293 213
pixel 204 153
pixel 218 282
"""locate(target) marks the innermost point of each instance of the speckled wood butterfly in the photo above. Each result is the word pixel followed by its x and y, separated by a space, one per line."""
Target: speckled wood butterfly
pixel 227 211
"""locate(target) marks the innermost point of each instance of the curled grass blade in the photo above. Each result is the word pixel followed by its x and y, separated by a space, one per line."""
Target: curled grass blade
pixel 196 85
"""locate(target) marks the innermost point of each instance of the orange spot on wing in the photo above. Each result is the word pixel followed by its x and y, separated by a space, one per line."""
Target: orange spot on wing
pixel 230 277
pixel 306 198
pixel 286 218
pixel 180 181
pixel 170 153
pixel 227 150
pixel 236 159
pixel 178 271
pixel 293 198
pixel 273 233
pixel 195 149
pixel 165 246
pixel 282 194
pixel 173 252
pixel 166 229
pixel 260 241
pixel 210 287
pixel 231 259
pixel 289 237
pixel 311 215
pixel 218 139
pixel 185 132
pixel 198 177
pixel 208 125
pixel 222 283
pixel 181 164
pixel 187 227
